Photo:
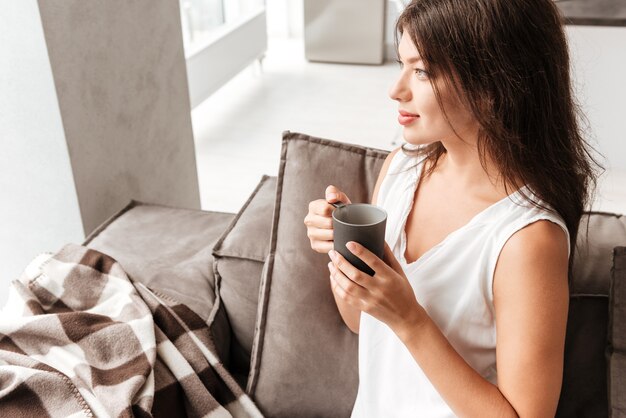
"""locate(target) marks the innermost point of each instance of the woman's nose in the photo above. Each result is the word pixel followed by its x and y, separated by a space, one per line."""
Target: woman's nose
pixel 399 91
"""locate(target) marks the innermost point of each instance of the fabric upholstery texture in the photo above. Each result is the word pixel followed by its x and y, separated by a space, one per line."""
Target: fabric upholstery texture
pixel 593 262
pixel 268 281
pixel 169 250
pixel 304 358
pixel 617 333
pixel 584 391
pixel 239 256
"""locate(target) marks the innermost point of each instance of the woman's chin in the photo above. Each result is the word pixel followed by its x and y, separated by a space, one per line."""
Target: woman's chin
pixel 415 140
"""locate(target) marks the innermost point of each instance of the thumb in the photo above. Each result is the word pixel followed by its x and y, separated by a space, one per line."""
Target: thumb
pixel 391 260
pixel 333 194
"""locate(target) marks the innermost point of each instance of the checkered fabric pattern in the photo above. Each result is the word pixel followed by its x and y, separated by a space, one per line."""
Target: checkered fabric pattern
pixel 78 337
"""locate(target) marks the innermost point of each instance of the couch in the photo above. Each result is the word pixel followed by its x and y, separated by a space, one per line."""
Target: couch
pixel 266 295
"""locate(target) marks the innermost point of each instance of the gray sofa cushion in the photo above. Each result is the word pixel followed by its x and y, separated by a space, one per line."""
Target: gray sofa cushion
pixel 169 250
pixel 593 261
pixel 584 391
pixel 617 333
pixel 304 359
pixel 239 259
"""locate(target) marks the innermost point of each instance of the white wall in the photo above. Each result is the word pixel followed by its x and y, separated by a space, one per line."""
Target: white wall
pixel 598 55
pixel 120 75
pixel 285 18
pixel 38 203
pixel 94 112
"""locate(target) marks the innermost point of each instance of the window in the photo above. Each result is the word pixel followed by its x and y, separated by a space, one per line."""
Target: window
pixel 204 20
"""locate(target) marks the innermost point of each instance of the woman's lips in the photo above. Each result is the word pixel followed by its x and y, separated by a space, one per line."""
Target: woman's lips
pixel 406 119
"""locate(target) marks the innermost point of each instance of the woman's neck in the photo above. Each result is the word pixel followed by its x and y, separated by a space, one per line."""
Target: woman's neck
pixel 460 170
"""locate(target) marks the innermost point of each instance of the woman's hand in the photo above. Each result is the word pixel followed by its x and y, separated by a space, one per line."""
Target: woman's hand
pixel 387 295
pixel 319 222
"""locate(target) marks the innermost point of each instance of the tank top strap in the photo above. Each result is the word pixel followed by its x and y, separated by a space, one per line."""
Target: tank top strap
pixel 403 169
pixel 524 219
pixel 533 214
pixel 397 191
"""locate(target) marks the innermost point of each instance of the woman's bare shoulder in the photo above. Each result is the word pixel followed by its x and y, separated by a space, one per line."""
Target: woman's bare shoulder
pixel 536 256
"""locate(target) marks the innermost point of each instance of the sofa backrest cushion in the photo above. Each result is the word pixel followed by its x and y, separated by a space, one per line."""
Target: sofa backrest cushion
pixel 617 333
pixel 239 256
pixel 598 233
pixel 304 358
pixel 584 391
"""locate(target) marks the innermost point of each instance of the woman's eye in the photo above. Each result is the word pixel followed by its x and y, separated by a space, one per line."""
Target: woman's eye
pixel 421 72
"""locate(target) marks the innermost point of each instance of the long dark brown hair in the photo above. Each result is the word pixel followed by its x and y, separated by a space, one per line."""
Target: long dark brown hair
pixel 507 61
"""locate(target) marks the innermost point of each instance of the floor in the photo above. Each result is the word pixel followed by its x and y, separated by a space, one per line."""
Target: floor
pixel 238 130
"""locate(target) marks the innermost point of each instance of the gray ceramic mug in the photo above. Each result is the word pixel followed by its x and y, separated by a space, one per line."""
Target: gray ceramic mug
pixel 360 222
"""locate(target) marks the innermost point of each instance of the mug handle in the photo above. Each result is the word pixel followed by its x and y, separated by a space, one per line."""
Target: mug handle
pixel 338 204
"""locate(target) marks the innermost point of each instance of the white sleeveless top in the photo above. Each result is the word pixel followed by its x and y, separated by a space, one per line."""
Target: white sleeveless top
pixel 453 282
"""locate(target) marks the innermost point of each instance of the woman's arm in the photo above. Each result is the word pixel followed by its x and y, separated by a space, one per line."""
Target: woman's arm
pixel 531 300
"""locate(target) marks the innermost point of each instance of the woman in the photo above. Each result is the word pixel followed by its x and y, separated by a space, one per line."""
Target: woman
pixel 483 202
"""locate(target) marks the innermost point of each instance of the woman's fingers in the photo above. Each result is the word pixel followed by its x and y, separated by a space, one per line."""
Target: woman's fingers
pixel 318 221
pixel 391 260
pixel 317 234
pixel 372 260
pixel 323 247
pixel 322 208
pixel 351 273
pixel 348 287
pixel 333 194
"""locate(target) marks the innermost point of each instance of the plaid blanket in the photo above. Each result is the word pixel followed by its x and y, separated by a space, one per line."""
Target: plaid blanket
pixel 79 338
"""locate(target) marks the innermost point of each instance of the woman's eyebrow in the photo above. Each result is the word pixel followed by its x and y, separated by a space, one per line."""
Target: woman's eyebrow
pixel 412 59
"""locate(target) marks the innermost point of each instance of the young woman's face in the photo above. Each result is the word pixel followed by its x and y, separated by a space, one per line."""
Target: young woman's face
pixel 415 95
